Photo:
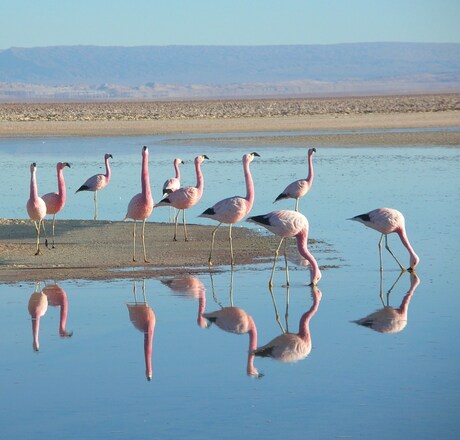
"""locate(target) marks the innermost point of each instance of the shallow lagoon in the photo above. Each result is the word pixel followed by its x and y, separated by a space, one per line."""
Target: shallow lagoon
pixel 355 383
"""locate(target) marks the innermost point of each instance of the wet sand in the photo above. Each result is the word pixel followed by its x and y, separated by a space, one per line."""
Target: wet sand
pixel 103 250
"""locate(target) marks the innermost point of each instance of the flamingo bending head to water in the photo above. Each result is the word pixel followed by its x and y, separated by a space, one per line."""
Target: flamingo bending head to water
pixel 299 188
pixel 233 209
pixel 186 197
pixel 141 205
pixel 55 201
pixel 36 207
pixel 285 224
pixel 98 182
pixel 386 221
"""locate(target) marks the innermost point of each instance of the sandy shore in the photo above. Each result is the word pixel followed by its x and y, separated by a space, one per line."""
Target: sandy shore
pixel 102 250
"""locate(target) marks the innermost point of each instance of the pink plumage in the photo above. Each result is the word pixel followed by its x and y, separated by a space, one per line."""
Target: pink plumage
pixel 388 221
pixel 172 184
pixel 141 205
pixel 37 306
pixel 55 201
pixel 97 182
pixel 286 224
pixel 36 207
pixel 186 197
pixel 299 188
pixel 233 209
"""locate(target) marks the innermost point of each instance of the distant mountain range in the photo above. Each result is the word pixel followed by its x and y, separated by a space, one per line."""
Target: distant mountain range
pixel 151 72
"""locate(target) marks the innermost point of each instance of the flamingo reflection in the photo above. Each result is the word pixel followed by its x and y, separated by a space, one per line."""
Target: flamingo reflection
pixel 38 305
pixel 191 287
pixel 143 318
pixel 292 347
pixel 390 319
pixel 233 319
pixel 58 298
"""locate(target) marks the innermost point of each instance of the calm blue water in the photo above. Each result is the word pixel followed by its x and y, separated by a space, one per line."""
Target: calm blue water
pixel 355 383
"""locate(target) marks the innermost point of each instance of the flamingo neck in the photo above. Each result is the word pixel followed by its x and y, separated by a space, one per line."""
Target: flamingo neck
pixel 145 180
pixel 199 178
pixel 176 167
pixel 63 317
pixel 311 173
pixel 302 246
pixel 250 368
pixel 405 241
pixel 107 169
pixel 33 186
pixel 61 184
pixel 148 348
pixel 201 320
pixel 35 332
pixel 249 185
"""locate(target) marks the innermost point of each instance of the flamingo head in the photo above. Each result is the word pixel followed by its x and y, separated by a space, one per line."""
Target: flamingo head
pixel 200 159
pixel 311 151
pixel 250 156
pixel 62 165
pixel 414 260
pixel 107 156
pixel 33 167
pixel 178 161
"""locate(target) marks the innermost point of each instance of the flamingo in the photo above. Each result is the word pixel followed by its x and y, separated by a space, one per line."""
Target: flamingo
pixel 36 207
pixel 38 305
pixel 299 188
pixel 387 221
pixel 289 224
pixel 292 347
pixel 143 318
pixel 186 197
pixel 173 183
pixel 55 201
pixel 97 182
pixel 141 205
pixel 233 209
pixel 58 298
pixel 391 319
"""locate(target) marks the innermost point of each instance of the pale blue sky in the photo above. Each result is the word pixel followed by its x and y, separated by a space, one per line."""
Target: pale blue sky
pixel 31 23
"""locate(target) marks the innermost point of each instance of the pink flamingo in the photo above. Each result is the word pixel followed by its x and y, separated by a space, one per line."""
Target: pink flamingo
pixel 172 184
pixel 292 347
pixel 391 319
pixel 97 182
pixel 141 205
pixel 289 224
pixel 186 197
pixel 58 298
pixel 38 305
pixel 299 188
pixel 233 209
pixel 143 318
pixel 36 207
pixel 55 201
pixel 387 221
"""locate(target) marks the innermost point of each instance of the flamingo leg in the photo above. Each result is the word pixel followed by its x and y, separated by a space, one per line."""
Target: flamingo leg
pixel 232 261
pixel 403 269
pixel 134 240
pixel 143 241
pixel 231 288
pixel 54 219
pixel 380 252
pixel 176 219
pixel 95 205
pixel 213 236
pixel 184 224
pixel 286 263
pixel 37 228
pixel 297 204
pixel 277 315
pixel 270 282
pixel 286 315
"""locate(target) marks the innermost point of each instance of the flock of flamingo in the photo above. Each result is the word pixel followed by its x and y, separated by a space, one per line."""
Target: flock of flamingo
pixel 284 223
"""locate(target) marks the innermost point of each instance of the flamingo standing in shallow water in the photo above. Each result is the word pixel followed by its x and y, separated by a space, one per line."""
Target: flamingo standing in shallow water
pixel 172 184
pixel 186 197
pixel 292 347
pixel 233 209
pixel 289 224
pixel 387 221
pixel 36 207
pixel 299 188
pixel 141 205
pixel 97 182
pixel 55 201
